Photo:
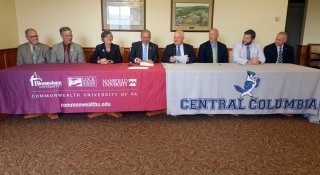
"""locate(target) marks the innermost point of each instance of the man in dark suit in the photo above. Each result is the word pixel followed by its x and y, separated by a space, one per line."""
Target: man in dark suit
pixel 279 51
pixel 173 52
pixel 144 50
pixel 213 51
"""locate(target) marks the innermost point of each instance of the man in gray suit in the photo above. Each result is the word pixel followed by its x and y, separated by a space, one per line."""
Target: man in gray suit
pixel 67 51
pixel 32 52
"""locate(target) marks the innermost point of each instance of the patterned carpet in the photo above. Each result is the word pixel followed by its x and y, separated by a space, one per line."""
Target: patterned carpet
pixel 137 144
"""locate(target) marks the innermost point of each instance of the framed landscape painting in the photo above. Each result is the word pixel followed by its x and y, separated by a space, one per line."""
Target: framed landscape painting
pixel 191 15
pixel 123 15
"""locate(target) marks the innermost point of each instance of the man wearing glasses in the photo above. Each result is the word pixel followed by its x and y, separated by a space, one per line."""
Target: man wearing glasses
pixel 67 51
pixel 32 52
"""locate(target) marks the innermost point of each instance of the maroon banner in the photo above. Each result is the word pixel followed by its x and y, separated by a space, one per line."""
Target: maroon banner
pixel 73 88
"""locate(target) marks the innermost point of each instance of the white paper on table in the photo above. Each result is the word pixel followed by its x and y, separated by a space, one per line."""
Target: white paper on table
pixel 181 59
pixel 146 64
pixel 138 67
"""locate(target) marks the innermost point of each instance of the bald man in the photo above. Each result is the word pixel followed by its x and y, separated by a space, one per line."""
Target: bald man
pixel 279 51
pixel 32 52
pixel 213 51
pixel 178 48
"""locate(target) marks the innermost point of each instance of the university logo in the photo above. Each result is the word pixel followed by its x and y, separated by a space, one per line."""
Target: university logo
pixel 82 81
pixel 132 82
pixel 119 82
pixel 251 82
pixel 36 81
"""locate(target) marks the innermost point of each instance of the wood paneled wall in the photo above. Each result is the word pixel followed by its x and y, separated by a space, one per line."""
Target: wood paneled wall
pixel 8 57
pixel 302 55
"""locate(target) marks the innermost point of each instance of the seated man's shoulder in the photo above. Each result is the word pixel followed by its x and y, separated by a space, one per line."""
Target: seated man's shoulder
pixel 56 45
pixel 153 44
pixel 170 45
pixel 76 44
pixel 269 45
pixel 238 44
pixel 23 45
pixel 204 44
pixel 222 44
pixel 257 44
pixel 136 43
pixel 188 45
pixel 44 45
pixel 289 46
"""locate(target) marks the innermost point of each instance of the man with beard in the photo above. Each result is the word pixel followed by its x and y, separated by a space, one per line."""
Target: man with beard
pixel 247 51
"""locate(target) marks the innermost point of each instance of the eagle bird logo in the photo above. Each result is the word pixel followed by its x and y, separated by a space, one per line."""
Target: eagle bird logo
pixel 252 82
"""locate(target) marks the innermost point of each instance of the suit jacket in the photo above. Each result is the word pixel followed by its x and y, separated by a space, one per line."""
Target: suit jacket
pixel 137 51
pixel 24 55
pixel 100 52
pixel 205 53
pixel 170 50
pixel 76 53
pixel 271 53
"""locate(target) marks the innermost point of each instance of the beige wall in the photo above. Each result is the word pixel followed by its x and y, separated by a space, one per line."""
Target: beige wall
pixel 84 17
pixel 312 23
pixel 8 21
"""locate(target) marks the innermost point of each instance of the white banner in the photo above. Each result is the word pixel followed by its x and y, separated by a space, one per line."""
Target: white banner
pixel 203 88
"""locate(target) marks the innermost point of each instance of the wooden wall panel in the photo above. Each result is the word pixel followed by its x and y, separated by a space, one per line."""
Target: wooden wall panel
pixel 8 56
pixel 302 55
pixel 88 51
pixel 11 57
pixel 2 60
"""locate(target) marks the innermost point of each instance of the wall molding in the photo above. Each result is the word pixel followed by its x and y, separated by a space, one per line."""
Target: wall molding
pixel 8 56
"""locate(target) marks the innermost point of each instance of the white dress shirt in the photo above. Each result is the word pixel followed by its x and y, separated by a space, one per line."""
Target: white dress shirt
pixel 240 53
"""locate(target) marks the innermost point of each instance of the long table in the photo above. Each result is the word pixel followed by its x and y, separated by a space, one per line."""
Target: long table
pixel 243 89
pixel 73 88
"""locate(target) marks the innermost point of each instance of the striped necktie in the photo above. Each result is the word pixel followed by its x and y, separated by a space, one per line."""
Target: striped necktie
pixel 280 59
pixel 34 54
pixel 178 53
pixel 66 55
pixel 248 53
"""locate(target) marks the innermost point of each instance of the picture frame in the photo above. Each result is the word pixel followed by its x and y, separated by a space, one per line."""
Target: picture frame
pixel 191 15
pixel 123 15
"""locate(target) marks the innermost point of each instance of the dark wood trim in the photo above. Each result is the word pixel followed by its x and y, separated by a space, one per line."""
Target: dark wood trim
pixel 8 56
pixel 309 62
pixel 302 55
pixel 3 117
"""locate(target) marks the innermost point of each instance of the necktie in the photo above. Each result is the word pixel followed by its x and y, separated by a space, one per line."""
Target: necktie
pixel 214 54
pixel 145 53
pixel 34 54
pixel 248 53
pixel 178 53
pixel 66 55
pixel 280 59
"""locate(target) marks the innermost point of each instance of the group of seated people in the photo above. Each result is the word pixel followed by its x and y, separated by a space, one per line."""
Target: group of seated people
pixel 211 51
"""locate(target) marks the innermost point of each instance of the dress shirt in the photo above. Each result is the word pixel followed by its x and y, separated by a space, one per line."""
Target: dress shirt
pixel 240 53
